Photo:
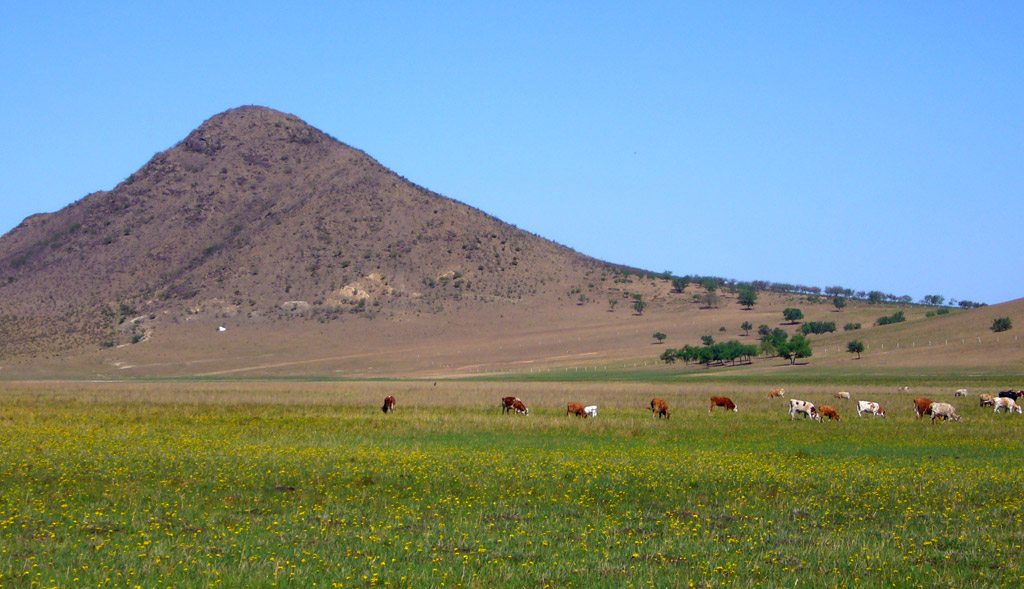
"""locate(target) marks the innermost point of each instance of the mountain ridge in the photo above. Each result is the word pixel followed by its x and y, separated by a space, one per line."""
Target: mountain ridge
pixel 255 209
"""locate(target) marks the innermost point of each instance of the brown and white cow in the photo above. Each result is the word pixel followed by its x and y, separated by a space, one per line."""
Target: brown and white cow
pixel 870 407
pixel 776 393
pixel 1009 405
pixel 842 395
pixel 960 393
pixel 724 402
pixel 808 410
pixel 922 407
pixel 660 408
pixel 506 404
pixel 945 411
pixel 519 407
pixel 829 412
pixel 986 399
pixel 576 409
pixel 389 404
pixel 903 390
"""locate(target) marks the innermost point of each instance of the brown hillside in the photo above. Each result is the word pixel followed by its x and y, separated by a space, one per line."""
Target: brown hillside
pixel 316 260
pixel 257 214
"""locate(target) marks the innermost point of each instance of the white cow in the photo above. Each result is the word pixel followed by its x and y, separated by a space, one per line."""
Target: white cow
pixel 960 393
pixel 1006 403
pixel 808 410
pixel 591 410
pixel 870 407
pixel 842 395
pixel 945 411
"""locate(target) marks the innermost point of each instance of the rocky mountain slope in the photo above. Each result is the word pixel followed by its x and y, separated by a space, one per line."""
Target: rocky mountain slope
pixel 259 215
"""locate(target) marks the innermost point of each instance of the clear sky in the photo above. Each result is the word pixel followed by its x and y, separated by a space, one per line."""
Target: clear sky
pixel 870 145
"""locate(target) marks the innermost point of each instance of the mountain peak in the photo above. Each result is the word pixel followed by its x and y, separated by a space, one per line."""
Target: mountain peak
pixel 260 215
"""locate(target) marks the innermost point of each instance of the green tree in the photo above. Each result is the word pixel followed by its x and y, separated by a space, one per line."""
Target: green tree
pixel 707 340
pixel 710 300
pixel 639 305
pixel 746 326
pixel 839 303
pixel 793 315
pixel 1001 324
pixel 659 336
pixel 748 297
pixel 855 347
pixel 797 347
pixel 612 303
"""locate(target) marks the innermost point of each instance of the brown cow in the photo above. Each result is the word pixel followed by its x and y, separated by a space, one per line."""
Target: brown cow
pixel 776 393
pixel 829 412
pixel 922 407
pixel 986 399
pixel 576 409
pixel 724 402
pixel 519 407
pixel 506 404
pixel 389 404
pixel 660 408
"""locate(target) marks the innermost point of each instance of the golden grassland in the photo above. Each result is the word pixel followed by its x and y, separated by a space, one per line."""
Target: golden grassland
pixel 306 484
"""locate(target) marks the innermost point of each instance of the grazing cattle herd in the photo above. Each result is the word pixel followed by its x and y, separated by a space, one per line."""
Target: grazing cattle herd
pixel 1006 401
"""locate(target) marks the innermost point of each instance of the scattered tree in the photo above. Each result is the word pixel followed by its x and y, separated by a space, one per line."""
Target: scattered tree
pixel 747 298
pixel 818 327
pixel 746 326
pixel 639 305
pixel 896 317
pixel 793 315
pixel 933 300
pixel 1001 324
pixel 797 347
pixel 707 340
pixel 611 304
pixel 855 347
pixel 839 302
pixel 660 337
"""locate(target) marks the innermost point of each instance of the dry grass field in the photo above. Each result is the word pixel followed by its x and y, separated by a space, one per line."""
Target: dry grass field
pixel 560 336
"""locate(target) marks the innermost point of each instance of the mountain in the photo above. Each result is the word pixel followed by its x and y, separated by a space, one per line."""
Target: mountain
pixel 260 246
pixel 258 214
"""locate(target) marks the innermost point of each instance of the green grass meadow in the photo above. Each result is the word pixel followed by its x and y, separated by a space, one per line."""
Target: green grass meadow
pixel 295 484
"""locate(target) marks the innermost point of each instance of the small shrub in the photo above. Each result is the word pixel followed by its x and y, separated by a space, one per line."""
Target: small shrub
pixel 896 317
pixel 1001 324
pixel 851 326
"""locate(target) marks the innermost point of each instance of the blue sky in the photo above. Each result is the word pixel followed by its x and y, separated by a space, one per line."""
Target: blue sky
pixel 876 146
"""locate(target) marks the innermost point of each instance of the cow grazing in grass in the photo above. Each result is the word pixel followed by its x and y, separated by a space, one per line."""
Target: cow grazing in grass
pixel 903 390
pixel 591 410
pixel 945 411
pixel 776 393
pixel 506 404
pixel 1011 394
pixel 829 412
pixel 1009 405
pixel 922 407
pixel 870 407
pixel 389 404
pixel 724 402
pixel 660 408
pixel 576 409
pixel 808 410
pixel 986 399
pixel 842 395
pixel 960 393
pixel 520 408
